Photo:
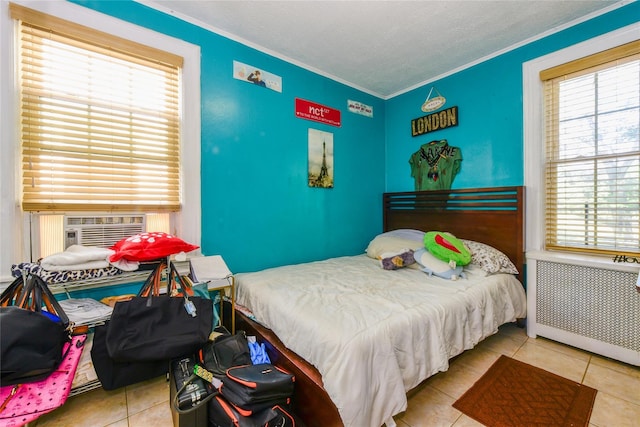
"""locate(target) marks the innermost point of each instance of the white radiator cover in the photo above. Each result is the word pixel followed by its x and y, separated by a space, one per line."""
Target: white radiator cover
pixel 587 302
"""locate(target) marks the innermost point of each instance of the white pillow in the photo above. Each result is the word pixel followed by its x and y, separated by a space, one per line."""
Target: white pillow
pixel 385 242
pixel 406 233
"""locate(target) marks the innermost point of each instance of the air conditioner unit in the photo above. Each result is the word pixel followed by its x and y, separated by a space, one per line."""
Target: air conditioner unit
pixel 101 230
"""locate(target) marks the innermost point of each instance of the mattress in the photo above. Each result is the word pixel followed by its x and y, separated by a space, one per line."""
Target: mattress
pixel 374 334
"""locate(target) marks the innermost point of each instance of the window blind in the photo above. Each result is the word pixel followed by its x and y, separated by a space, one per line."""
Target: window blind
pixel 100 119
pixel 592 154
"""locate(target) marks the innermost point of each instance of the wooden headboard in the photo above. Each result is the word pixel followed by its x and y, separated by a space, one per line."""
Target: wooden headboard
pixel 494 216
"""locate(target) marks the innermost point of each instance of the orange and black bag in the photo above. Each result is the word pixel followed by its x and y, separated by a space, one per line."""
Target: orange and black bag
pixel 223 414
pixel 252 388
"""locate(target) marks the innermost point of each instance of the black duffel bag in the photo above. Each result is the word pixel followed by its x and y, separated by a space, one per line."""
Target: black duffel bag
pixel 152 327
pixel 31 339
pixel 113 374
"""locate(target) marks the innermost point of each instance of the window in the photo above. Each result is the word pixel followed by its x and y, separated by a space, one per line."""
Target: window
pixel 100 120
pixel 16 226
pixel 592 153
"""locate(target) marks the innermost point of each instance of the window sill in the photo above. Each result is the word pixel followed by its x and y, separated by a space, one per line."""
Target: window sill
pixel 585 260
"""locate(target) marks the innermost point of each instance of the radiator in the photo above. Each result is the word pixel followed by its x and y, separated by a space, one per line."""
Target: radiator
pixel 587 304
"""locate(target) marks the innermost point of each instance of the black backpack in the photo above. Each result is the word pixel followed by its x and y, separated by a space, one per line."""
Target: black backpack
pixel 224 352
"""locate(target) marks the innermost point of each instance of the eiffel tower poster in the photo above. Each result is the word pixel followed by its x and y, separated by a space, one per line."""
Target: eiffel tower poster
pixel 320 159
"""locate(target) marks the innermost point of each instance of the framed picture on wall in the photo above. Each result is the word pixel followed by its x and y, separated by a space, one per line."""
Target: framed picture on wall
pixel 320 159
pixel 259 77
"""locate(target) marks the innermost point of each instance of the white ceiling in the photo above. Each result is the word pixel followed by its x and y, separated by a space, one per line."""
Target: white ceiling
pixel 384 47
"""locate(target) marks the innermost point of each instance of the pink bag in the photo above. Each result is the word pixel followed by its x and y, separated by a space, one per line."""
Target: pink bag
pixel 23 403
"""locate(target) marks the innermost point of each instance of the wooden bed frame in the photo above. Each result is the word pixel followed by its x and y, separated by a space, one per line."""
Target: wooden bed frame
pixel 494 216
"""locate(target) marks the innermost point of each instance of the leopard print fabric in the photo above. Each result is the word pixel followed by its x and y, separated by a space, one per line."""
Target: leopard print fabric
pixel 55 277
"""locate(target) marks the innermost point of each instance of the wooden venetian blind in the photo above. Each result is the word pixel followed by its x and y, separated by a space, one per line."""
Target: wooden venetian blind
pixel 592 153
pixel 99 119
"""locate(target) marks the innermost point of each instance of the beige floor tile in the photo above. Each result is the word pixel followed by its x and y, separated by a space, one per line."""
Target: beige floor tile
pixel 562 348
pixel 541 355
pixel 514 332
pixel 465 421
pixel 478 359
pixel 95 408
pixel 611 411
pixel 633 371
pixel 430 407
pixel 149 393
pixel 502 343
pixel 121 423
pixel 454 382
pixel 615 383
pixel 156 416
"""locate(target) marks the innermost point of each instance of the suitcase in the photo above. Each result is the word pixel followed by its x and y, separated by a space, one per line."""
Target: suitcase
pixel 180 370
pixel 252 388
pixel 223 414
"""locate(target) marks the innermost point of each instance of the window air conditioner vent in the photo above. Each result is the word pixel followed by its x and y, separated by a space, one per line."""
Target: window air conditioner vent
pixel 102 230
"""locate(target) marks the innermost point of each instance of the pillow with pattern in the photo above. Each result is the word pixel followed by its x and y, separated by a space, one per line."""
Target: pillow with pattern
pixel 489 258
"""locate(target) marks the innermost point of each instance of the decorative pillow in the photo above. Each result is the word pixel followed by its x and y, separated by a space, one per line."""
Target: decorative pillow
pixel 395 260
pixel 389 243
pixel 489 258
pixel 447 247
pixel 436 267
pixel 149 246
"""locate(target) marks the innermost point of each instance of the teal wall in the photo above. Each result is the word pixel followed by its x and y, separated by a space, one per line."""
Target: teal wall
pixel 257 209
pixel 489 97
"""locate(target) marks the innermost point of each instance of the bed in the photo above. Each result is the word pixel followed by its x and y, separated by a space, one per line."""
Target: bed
pixel 359 337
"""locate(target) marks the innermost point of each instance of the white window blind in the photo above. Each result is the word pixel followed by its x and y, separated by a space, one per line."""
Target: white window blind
pixel 592 153
pixel 100 119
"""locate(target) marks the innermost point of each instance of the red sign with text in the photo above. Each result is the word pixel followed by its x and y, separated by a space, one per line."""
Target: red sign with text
pixel 316 112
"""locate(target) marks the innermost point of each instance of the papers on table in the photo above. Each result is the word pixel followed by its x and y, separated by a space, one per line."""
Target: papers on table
pixel 211 269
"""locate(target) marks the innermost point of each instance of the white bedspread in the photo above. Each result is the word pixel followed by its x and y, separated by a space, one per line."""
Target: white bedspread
pixel 375 334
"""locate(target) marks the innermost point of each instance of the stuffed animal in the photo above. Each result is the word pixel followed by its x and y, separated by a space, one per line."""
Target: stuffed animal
pixel 395 260
pixel 446 247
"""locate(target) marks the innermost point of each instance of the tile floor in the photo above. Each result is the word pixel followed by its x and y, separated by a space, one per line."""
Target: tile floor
pixel 617 402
